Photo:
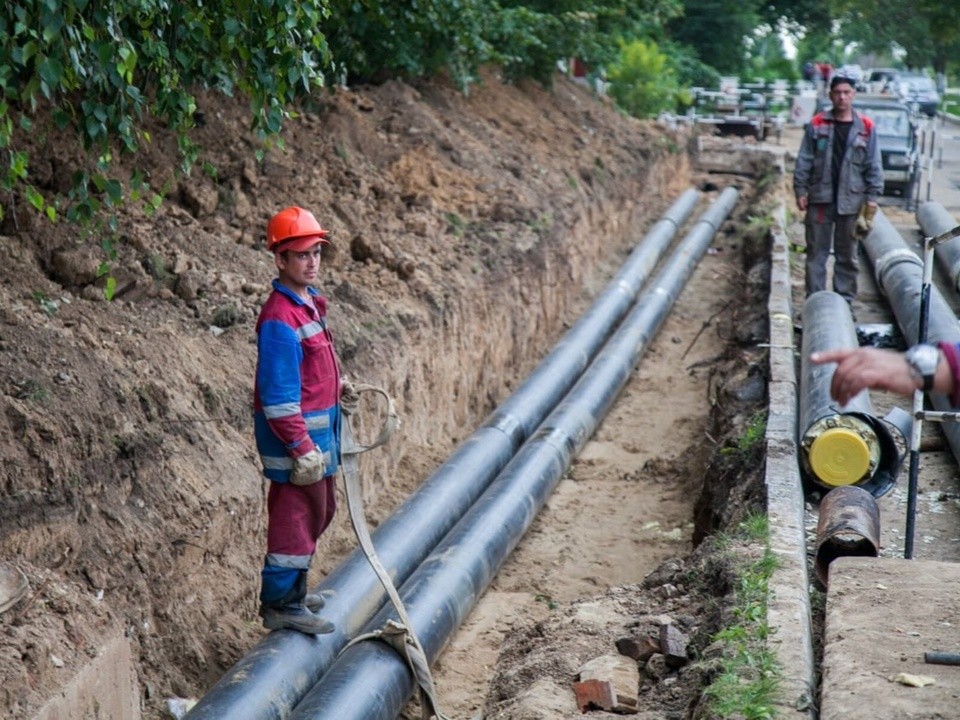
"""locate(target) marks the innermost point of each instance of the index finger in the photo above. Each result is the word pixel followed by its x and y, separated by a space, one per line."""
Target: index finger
pixel 828 356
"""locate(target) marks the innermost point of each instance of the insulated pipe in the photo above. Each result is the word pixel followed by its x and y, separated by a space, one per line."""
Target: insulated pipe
pixel 899 274
pixel 934 220
pixel 369 680
pixel 848 445
pixel 270 680
pixel 837 447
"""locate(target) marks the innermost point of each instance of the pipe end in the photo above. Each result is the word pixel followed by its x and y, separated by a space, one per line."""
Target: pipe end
pixel 839 456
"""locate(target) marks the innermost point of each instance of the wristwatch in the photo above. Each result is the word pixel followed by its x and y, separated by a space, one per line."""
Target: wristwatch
pixel 923 360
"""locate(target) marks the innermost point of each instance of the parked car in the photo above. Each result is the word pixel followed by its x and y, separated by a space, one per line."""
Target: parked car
pixel 897 131
pixel 881 80
pixel 920 89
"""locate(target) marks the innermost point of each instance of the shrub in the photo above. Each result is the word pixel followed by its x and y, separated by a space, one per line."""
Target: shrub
pixel 642 81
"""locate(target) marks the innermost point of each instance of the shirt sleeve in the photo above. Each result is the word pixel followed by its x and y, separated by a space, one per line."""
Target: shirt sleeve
pixel 803 165
pixel 278 384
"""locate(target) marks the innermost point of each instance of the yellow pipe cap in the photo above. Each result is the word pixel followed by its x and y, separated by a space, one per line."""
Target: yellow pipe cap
pixel 839 456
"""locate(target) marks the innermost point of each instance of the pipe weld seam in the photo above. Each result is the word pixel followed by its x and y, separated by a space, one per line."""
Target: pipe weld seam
pixel 894 257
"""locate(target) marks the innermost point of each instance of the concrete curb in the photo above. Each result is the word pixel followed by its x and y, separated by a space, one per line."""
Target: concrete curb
pixel 788 610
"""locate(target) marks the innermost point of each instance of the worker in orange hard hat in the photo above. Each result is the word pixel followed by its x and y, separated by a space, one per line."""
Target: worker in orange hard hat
pixel 299 396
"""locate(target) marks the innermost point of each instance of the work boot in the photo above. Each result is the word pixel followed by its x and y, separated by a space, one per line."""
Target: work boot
pixel 314 601
pixel 295 616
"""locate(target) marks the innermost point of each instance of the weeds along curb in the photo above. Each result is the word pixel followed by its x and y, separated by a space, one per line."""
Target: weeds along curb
pixel 788 611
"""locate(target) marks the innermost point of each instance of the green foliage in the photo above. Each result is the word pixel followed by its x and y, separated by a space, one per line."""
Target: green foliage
pixel 767 60
pixel 373 40
pixel 98 70
pixel 642 82
pixel 530 37
pixel 749 678
pixel 48 306
pixel 31 390
pixel 691 70
pixel 751 438
pixel 717 30
pixel 927 30
pixel 528 43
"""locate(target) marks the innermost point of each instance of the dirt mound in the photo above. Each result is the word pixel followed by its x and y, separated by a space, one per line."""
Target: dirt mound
pixel 466 231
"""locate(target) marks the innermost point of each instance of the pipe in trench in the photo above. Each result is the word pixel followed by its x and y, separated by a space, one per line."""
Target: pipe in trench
pixel 934 220
pixel 369 680
pixel 848 445
pixel 269 681
pixel 848 526
pixel 899 274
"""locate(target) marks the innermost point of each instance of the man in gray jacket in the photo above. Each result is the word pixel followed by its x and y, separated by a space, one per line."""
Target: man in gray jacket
pixel 838 172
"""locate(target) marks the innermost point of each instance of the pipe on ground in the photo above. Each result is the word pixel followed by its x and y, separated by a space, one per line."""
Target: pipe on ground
pixel 269 681
pixel 369 680
pixel 848 526
pixel 934 220
pixel 899 274
pixel 848 445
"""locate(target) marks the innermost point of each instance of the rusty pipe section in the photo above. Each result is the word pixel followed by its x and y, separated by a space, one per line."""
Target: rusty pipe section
pixel 848 526
pixel 840 446
pixel 935 220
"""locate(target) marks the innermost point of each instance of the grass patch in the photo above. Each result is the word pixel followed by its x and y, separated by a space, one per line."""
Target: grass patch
pixel 748 678
pixel 752 435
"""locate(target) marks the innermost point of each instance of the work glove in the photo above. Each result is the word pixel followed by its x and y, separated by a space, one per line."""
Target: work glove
pixel 349 398
pixel 309 468
pixel 865 220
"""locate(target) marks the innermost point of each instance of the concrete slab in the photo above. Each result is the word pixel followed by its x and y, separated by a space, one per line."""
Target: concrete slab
pixel 882 614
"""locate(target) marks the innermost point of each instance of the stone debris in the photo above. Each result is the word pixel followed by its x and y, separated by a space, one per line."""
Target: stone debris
pixel 673 645
pixel 609 682
pixel 640 649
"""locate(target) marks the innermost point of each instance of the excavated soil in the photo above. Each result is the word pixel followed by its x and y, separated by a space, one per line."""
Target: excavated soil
pixel 468 232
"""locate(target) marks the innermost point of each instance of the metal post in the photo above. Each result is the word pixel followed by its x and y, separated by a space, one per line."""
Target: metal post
pixel 933 144
pixel 918 404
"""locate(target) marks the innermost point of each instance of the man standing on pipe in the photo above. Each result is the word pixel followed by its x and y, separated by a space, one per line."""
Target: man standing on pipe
pixel 931 368
pixel 298 398
pixel 838 173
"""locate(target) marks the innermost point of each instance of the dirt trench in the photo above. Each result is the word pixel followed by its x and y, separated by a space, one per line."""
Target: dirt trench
pixel 469 232
pixel 620 546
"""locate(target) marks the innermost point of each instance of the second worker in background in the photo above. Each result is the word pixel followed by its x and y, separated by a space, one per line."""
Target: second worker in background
pixel 838 172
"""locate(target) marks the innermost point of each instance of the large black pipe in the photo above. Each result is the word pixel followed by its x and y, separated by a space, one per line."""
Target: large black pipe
pixel 269 681
pixel 369 681
pixel 841 445
pixel 899 274
pixel 826 429
pixel 935 221
pixel 827 325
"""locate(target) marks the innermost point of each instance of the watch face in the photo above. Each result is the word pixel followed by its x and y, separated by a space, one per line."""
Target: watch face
pixel 923 359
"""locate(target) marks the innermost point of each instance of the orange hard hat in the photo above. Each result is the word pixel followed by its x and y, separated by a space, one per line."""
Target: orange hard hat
pixel 296 229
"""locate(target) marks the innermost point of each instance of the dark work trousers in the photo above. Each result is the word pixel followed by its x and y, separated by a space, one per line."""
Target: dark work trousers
pixel 823 227
pixel 297 516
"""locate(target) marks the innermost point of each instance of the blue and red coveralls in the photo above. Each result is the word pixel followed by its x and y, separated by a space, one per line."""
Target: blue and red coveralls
pixel 295 408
